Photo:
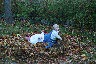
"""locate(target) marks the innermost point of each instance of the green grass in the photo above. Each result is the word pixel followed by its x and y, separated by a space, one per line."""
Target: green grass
pixel 27 27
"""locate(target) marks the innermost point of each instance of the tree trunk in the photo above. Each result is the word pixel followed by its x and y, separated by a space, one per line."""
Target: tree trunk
pixel 1 6
pixel 8 12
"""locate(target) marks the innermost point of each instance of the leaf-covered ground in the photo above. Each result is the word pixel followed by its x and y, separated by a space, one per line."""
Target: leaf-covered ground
pixel 75 48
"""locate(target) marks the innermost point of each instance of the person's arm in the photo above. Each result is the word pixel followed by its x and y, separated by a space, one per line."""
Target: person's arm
pixel 58 37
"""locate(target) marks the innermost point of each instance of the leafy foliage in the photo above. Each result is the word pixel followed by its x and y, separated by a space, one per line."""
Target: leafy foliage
pixel 74 48
pixel 80 14
pixel 76 19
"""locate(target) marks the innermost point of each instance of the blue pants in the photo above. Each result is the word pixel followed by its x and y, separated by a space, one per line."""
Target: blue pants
pixel 51 43
pixel 48 40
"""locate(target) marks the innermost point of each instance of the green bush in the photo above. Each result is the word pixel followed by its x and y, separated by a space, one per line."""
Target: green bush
pixel 81 12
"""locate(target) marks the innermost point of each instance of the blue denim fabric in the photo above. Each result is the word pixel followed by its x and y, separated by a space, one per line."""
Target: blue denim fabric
pixel 47 39
pixel 51 43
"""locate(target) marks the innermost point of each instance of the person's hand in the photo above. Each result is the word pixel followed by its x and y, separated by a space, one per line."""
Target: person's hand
pixel 60 38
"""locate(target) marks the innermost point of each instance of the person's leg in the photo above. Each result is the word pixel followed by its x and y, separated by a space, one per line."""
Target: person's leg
pixel 50 44
pixel 55 42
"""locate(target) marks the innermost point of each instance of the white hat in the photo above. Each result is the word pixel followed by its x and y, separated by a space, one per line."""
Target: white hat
pixel 55 26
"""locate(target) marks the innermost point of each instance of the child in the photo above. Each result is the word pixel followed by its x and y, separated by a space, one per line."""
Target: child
pixel 49 38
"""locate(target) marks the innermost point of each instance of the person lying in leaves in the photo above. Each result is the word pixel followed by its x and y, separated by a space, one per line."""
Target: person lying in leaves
pixel 49 38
